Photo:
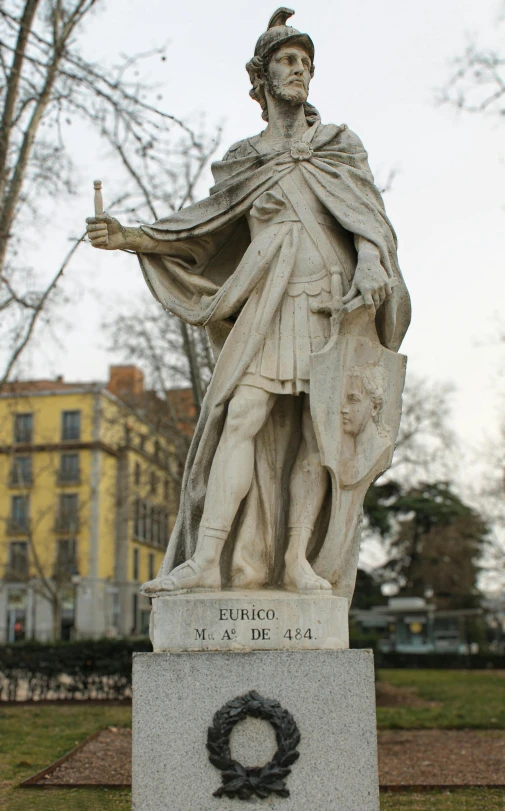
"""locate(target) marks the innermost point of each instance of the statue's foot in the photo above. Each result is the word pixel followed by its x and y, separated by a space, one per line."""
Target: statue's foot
pixel 189 576
pixel 300 576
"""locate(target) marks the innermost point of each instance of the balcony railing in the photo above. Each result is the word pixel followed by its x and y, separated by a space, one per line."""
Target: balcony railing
pixel 18 526
pixel 16 574
pixel 17 480
pixel 65 568
pixel 68 477
pixel 66 523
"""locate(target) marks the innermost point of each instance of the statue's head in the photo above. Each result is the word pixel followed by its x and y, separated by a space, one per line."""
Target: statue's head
pixel 363 398
pixel 282 65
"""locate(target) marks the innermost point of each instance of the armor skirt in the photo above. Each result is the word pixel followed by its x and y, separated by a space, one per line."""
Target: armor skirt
pixel 281 364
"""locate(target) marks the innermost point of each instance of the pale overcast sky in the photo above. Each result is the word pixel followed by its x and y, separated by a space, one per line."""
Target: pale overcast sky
pixel 378 67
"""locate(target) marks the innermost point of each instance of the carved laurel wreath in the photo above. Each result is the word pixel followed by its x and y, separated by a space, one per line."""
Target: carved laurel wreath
pixel 239 781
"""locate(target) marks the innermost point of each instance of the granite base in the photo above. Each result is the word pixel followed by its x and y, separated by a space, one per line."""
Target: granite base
pixel 330 695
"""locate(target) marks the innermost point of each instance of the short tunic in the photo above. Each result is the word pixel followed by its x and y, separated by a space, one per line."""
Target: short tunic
pixel 282 362
pixel 281 365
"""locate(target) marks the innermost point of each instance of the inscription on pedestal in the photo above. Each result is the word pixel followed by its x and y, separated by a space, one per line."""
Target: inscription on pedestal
pixel 268 620
pixel 256 634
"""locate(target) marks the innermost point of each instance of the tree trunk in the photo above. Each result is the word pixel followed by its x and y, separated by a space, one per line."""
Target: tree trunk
pixel 56 618
pixel 13 88
pixel 194 371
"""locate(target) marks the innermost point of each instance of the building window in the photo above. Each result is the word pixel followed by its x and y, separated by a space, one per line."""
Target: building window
pixel 156 449
pixel 142 442
pixel 136 517
pixel 143 520
pixel 155 526
pixel 145 617
pixel 148 523
pixel 67 520
pixel 136 473
pixel 69 468
pixel 16 614
pixel 19 515
pixel 127 434
pixel 135 564
pixel 135 608
pixel 161 528
pixel 153 483
pixel 166 490
pixel 151 566
pixel 23 428
pixel 18 559
pixel 66 557
pixel 71 425
pixel 21 471
pixel 164 529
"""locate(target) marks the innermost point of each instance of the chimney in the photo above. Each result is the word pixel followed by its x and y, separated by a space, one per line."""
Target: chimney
pixel 125 381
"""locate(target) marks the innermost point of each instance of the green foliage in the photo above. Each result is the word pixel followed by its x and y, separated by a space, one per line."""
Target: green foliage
pixel 378 506
pixel 362 639
pixel 97 669
pixel 434 539
pixel 367 591
pixel 440 661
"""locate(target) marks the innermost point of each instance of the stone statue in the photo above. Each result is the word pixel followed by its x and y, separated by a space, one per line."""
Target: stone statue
pixel 290 264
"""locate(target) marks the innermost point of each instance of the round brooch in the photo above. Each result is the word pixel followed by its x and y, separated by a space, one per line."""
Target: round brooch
pixel 242 782
pixel 301 151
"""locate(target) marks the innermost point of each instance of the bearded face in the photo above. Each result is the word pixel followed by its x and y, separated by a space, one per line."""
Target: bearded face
pixel 289 74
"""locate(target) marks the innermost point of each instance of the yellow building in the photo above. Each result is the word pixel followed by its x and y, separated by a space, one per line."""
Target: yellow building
pixel 88 497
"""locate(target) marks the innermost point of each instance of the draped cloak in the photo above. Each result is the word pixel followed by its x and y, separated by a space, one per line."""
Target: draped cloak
pixel 212 275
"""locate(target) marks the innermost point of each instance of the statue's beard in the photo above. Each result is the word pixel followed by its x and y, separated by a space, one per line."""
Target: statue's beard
pixel 290 93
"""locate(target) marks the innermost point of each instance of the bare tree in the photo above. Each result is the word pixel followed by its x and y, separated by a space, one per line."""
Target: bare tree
pixel 46 84
pixel 426 441
pixel 477 84
pixel 172 356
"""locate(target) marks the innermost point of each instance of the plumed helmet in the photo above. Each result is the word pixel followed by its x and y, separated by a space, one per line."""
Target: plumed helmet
pixel 278 33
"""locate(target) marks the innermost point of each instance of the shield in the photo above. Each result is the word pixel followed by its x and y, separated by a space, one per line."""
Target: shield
pixel 356 393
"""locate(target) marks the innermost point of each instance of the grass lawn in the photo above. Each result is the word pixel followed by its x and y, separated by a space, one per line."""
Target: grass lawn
pixel 471 799
pixel 31 737
pixel 465 700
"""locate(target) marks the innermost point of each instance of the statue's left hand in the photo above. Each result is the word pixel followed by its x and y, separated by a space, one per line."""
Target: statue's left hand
pixel 372 281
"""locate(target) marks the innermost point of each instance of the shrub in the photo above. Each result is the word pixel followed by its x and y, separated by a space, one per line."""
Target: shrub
pixel 89 669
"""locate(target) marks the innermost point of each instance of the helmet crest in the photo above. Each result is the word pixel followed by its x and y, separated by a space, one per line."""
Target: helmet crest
pixel 280 17
pixel 278 33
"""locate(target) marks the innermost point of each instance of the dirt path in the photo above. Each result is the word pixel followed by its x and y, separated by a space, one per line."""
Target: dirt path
pixel 432 757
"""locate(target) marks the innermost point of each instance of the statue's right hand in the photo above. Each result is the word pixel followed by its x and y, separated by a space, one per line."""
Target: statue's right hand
pixel 105 232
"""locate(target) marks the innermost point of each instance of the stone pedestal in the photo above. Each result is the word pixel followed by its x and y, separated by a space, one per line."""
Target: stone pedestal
pixel 249 620
pixel 329 694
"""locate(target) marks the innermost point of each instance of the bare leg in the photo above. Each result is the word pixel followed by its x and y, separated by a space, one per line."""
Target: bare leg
pixel 309 482
pixel 233 465
pixel 229 482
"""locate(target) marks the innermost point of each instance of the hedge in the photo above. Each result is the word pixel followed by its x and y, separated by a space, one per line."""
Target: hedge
pixel 89 669
pixel 101 669
pixel 440 661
